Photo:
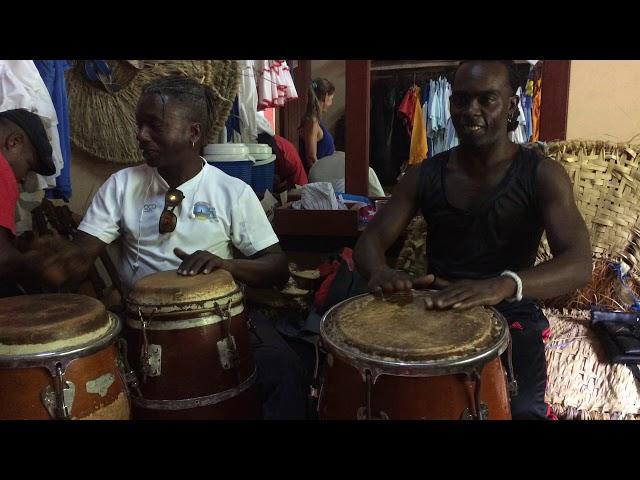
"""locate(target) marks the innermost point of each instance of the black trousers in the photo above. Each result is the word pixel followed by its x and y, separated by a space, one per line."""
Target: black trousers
pixel 282 387
pixel 528 325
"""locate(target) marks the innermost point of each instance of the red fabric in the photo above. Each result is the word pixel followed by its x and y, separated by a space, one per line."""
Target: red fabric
pixel 407 109
pixel 288 163
pixel 8 196
pixel 330 269
pixel 517 326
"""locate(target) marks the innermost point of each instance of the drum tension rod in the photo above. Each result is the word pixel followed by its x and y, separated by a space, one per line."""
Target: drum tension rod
pixel 130 377
pixel 61 384
pixel 314 391
pixel 144 354
pixel 478 407
pixel 513 384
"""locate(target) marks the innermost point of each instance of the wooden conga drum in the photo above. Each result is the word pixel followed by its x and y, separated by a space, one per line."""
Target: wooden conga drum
pixel 58 359
pixel 188 344
pixel 394 359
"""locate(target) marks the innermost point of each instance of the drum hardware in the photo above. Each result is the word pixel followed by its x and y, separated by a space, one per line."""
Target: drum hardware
pixel 130 377
pixel 365 413
pixel 314 390
pixel 59 400
pixel 187 403
pixel 512 384
pixel 150 355
pixel 227 349
pixel 467 415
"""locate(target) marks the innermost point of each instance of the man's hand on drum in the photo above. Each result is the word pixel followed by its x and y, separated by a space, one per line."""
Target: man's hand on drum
pixel 471 293
pixel 198 262
pixel 387 280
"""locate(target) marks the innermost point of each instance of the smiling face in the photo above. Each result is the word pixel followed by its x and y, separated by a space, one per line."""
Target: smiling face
pixel 165 132
pixel 481 101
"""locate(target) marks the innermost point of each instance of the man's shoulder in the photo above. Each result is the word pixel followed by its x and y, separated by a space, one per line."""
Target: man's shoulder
pixel 135 172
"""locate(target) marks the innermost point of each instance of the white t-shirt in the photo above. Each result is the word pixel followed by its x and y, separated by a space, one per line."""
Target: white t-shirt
pixel 332 169
pixel 128 206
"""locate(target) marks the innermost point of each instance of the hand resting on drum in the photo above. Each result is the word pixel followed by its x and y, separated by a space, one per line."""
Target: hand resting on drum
pixel 387 280
pixel 264 268
pixel 471 293
pixel 198 262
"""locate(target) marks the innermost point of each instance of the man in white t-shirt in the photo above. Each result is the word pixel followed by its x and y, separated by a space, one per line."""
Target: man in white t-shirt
pixel 331 169
pixel 178 212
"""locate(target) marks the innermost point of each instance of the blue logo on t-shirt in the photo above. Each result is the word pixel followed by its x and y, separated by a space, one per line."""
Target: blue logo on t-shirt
pixel 204 211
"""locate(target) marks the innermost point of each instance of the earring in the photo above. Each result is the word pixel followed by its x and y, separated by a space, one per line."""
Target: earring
pixel 193 144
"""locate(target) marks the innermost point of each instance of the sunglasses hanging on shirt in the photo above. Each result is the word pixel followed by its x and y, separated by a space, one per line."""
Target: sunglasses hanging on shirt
pixel 168 219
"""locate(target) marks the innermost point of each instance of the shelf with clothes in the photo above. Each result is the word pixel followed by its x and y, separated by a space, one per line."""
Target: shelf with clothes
pixel 396 140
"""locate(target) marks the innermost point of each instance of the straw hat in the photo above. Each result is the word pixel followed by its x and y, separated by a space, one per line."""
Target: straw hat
pixel 103 122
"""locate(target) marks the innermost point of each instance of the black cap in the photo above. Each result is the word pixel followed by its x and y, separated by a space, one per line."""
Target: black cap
pixel 33 127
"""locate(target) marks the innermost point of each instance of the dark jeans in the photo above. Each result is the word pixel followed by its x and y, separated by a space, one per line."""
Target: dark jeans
pixel 527 325
pixel 282 388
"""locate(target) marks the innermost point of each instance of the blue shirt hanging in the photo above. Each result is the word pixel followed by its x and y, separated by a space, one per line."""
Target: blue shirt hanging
pixel 52 73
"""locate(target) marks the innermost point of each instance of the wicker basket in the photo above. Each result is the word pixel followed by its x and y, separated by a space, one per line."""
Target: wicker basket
pixel 581 384
pixel 103 123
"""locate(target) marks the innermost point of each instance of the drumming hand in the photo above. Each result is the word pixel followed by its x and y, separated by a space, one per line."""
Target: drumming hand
pixel 199 261
pixel 388 281
pixel 471 293
pixel 56 260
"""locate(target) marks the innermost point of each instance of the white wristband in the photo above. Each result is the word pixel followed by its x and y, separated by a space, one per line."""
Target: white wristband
pixel 518 296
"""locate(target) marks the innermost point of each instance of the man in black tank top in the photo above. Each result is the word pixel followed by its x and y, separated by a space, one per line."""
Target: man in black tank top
pixel 486 204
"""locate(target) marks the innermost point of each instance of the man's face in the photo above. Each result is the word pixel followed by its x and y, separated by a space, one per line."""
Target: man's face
pixel 20 154
pixel 480 103
pixel 164 130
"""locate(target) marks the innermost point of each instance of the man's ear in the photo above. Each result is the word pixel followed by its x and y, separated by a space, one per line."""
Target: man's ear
pixel 15 141
pixel 196 132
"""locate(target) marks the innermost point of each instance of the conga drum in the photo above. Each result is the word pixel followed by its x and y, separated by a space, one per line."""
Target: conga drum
pixel 394 359
pixel 188 344
pixel 58 359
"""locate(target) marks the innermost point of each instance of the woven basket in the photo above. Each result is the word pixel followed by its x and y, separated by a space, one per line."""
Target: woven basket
pixel 103 123
pixel 606 186
pixel 581 385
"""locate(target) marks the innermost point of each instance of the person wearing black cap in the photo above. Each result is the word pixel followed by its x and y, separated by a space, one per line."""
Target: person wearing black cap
pixel 24 147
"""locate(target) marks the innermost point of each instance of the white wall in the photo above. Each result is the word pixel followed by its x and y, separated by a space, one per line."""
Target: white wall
pixel 604 100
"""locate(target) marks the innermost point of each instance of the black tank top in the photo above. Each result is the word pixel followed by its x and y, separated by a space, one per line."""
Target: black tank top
pixel 501 233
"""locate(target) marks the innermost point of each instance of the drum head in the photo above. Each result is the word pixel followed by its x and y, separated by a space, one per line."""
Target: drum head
pixel 407 331
pixel 36 324
pixel 193 292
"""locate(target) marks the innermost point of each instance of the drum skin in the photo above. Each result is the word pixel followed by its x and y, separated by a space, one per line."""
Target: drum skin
pixel 396 360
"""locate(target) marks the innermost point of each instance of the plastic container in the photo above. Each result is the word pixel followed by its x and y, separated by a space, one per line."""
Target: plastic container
pixel 262 175
pixel 232 158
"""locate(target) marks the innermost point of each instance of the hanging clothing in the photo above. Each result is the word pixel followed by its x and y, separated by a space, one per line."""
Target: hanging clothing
pixel 52 73
pixel 275 84
pixel 247 103
pixel 418 148
pixel 519 135
pixel 451 136
pixel 535 110
pixel 382 118
pixel 407 108
pixel 21 86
